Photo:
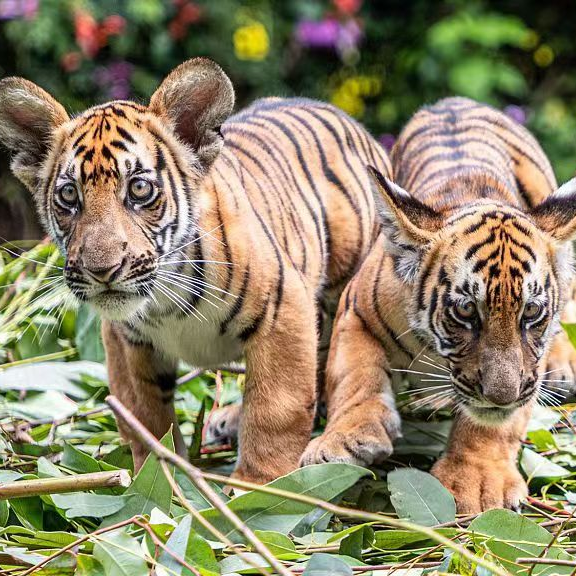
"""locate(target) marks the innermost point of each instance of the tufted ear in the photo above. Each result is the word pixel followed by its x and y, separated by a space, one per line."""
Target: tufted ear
pixel 28 118
pixel 557 214
pixel 196 97
pixel 408 225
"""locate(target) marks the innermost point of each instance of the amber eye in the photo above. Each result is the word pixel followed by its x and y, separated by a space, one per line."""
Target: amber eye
pixel 532 310
pixel 68 195
pixel 466 310
pixel 141 190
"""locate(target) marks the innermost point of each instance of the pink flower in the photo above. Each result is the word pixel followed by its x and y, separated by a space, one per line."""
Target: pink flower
pixel 322 34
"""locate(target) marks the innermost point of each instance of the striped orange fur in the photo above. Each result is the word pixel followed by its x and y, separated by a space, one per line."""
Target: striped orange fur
pixel 463 290
pixel 204 238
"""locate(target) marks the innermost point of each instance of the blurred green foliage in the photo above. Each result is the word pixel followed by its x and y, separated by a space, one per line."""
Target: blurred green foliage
pixel 378 60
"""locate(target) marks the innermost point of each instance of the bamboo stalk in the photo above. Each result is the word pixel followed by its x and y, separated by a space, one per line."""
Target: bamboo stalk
pixel 201 478
pixel 75 483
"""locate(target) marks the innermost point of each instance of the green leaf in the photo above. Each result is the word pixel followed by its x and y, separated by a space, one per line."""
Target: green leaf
pixel 193 495
pixel 80 504
pixel 510 536
pixel 420 498
pixel 88 566
pixel 29 512
pixel 542 440
pixel 4 513
pixel 150 489
pixel 187 544
pixel 78 461
pixel 570 330
pixel 237 565
pixel 120 555
pixel 327 565
pixel 88 339
pixel 261 511
pixel 396 539
pixel 44 376
pixel 279 544
pixel 51 404
pixel 536 466
pixel 357 541
pixel 543 418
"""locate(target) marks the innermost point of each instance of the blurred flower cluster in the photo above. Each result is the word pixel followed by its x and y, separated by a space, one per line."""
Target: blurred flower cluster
pixel 378 61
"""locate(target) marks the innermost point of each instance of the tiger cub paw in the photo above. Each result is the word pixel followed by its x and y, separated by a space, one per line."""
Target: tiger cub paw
pixel 478 486
pixel 223 425
pixel 559 377
pixel 364 444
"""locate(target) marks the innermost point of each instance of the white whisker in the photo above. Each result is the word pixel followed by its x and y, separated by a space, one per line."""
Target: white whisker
pixel 191 242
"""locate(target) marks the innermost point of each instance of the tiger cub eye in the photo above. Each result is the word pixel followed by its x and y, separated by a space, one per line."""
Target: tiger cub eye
pixel 140 190
pixel 466 309
pixel 68 195
pixel 532 310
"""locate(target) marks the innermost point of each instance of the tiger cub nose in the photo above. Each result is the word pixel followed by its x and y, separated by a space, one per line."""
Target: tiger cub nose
pixel 104 275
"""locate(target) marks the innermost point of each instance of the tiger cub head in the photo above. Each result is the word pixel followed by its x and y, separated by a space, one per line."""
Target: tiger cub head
pixel 116 186
pixel 487 283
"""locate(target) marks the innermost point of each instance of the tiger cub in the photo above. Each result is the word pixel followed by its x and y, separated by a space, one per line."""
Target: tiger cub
pixel 204 238
pixel 466 283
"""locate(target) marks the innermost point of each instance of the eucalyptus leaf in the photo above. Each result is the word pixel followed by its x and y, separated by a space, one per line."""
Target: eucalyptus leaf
pixel 187 544
pixel 81 504
pixel 150 489
pixel 261 511
pixel 536 466
pixel 120 555
pixel 419 497
pixel 327 565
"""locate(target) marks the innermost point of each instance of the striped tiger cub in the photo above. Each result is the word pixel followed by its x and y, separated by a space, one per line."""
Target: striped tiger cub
pixel 463 289
pixel 204 238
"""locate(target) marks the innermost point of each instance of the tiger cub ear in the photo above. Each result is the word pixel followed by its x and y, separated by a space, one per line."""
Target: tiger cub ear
pixel 557 214
pixel 196 97
pixel 408 224
pixel 28 118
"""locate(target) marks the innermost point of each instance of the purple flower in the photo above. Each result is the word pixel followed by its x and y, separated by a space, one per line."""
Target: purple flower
pixel 349 36
pixel 10 9
pixel 516 113
pixel 387 140
pixel 115 79
pixel 322 34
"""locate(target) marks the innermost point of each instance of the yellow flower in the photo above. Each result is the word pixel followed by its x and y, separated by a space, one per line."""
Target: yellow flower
pixel 544 56
pixel 349 102
pixel 251 42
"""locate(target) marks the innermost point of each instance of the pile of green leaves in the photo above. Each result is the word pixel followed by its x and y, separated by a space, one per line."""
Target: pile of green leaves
pixel 55 423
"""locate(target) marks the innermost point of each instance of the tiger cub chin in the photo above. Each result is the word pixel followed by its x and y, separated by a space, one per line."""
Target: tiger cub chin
pixel 204 238
pixel 466 283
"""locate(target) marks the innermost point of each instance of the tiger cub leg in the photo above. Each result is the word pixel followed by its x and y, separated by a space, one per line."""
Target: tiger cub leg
pixel 144 383
pixel 280 395
pixel 362 418
pixel 479 466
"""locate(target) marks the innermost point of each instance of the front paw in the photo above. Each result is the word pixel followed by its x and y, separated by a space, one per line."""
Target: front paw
pixel 363 445
pixel 478 486
pixel 223 425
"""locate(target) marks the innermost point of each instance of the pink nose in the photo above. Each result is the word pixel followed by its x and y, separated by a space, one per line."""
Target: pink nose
pixel 106 274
